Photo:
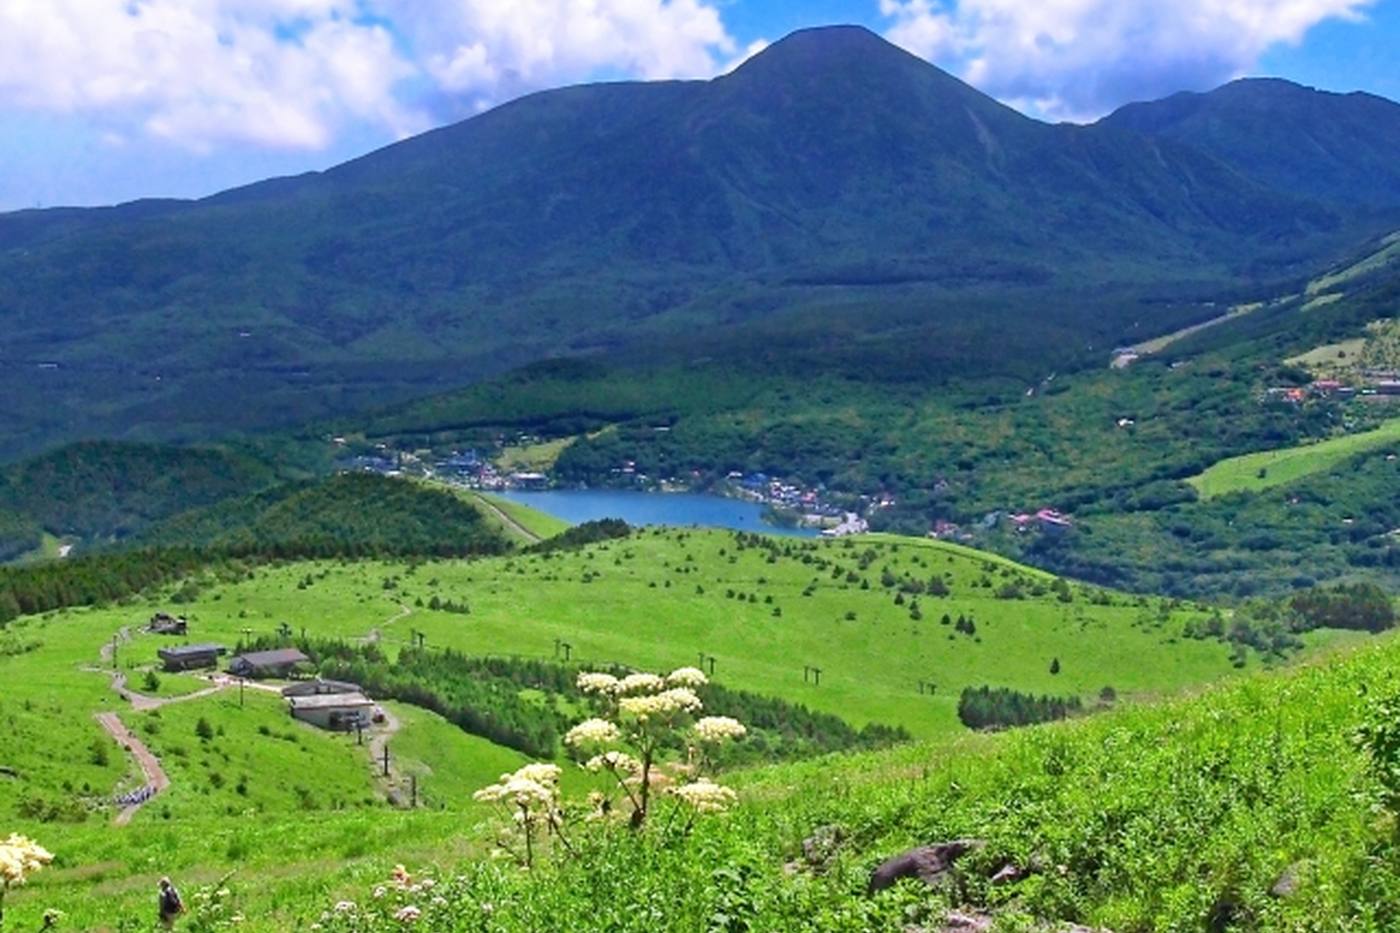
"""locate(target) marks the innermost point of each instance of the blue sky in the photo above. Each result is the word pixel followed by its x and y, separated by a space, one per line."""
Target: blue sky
pixel 108 100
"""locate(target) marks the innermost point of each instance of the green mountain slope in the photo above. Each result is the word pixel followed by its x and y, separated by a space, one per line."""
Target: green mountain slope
pixel 831 176
pixel 348 514
pixel 102 491
pixel 1335 147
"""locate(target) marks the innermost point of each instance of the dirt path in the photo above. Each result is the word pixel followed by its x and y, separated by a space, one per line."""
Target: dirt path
pixel 529 536
pixel 141 702
pixel 375 633
pixel 396 785
pixel 156 780
pixel 123 636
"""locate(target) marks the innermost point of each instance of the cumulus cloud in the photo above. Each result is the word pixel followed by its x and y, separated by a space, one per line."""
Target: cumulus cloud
pixel 1077 59
pixel 481 51
pixel 293 73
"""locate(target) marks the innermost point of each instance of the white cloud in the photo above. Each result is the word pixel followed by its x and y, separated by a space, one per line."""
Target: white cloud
pixel 1076 59
pixel 294 73
pixel 498 48
pixel 202 72
pixel 748 52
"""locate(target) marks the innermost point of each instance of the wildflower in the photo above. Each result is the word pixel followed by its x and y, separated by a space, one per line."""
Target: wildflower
pixel 427 884
pixel 687 677
pixel 641 683
pixel 400 875
pixel 598 683
pixel 667 703
pixel 592 732
pixel 719 728
pixel 706 796
pixel 236 918
pixel 541 773
pixel 344 907
pixel 439 901
pixel 620 762
pixel 20 857
pixel 379 892
pixel 408 914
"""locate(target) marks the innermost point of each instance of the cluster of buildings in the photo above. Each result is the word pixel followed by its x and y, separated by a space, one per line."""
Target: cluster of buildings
pixel 1374 385
pixel 1047 520
pixel 465 468
pixel 808 504
pixel 329 704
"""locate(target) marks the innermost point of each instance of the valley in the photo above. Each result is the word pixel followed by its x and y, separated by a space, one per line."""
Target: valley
pixel 691 504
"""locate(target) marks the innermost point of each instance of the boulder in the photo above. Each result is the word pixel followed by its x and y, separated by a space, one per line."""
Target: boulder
pixel 930 864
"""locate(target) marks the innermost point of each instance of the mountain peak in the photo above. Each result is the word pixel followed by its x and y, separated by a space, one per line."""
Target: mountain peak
pixel 823 47
pixel 1313 143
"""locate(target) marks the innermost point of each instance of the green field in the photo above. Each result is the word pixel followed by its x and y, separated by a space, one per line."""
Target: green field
pixel 1146 818
pixel 1269 468
pixel 1388 252
pixel 302 814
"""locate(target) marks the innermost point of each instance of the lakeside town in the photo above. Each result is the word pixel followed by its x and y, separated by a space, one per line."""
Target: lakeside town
pixel 786 503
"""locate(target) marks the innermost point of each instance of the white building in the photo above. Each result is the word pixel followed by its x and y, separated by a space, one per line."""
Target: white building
pixel 336 711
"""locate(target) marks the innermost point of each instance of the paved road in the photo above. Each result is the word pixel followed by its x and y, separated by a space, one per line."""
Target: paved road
pixel 150 765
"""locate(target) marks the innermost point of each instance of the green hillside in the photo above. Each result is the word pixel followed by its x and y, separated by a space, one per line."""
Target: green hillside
pixel 1270 468
pixel 1227 789
pixel 1335 147
pixel 103 491
pixel 831 178
pixel 353 514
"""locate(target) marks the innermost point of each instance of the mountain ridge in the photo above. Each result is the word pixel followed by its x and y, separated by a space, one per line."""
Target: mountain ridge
pixel 832 167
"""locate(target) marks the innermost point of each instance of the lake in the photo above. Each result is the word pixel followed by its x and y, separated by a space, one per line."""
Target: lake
pixel 680 509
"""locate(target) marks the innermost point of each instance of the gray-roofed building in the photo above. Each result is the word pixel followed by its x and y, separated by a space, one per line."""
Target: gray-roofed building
pixel 340 711
pixel 276 663
pixel 191 657
pixel 319 687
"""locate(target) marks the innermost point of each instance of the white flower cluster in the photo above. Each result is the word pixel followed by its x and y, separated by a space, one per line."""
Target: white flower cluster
pixel 592 732
pixel 719 728
pixel 640 683
pixel 21 856
pixel 534 789
pixel 621 762
pixel 706 796
pixel 687 677
pixel 597 683
pixel 659 705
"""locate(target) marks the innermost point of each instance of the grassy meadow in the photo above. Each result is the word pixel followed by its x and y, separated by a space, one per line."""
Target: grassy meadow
pixel 1270 468
pixel 302 815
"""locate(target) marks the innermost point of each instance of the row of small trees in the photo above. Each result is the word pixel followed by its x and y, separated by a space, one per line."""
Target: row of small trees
pixel 1002 707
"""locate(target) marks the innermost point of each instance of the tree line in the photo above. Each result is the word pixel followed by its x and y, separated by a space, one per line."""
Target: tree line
pixel 1002 707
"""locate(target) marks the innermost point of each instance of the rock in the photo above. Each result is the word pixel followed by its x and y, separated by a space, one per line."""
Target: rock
pixel 958 921
pixel 1290 881
pixel 930 864
pixel 1008 873
pixel 1011 872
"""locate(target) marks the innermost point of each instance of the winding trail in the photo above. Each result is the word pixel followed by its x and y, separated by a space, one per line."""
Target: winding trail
pixel 156 778
pixel 500 513
pixel 375 634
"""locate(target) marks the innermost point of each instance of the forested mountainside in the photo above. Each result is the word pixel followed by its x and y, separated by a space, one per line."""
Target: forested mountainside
pixel 832 182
